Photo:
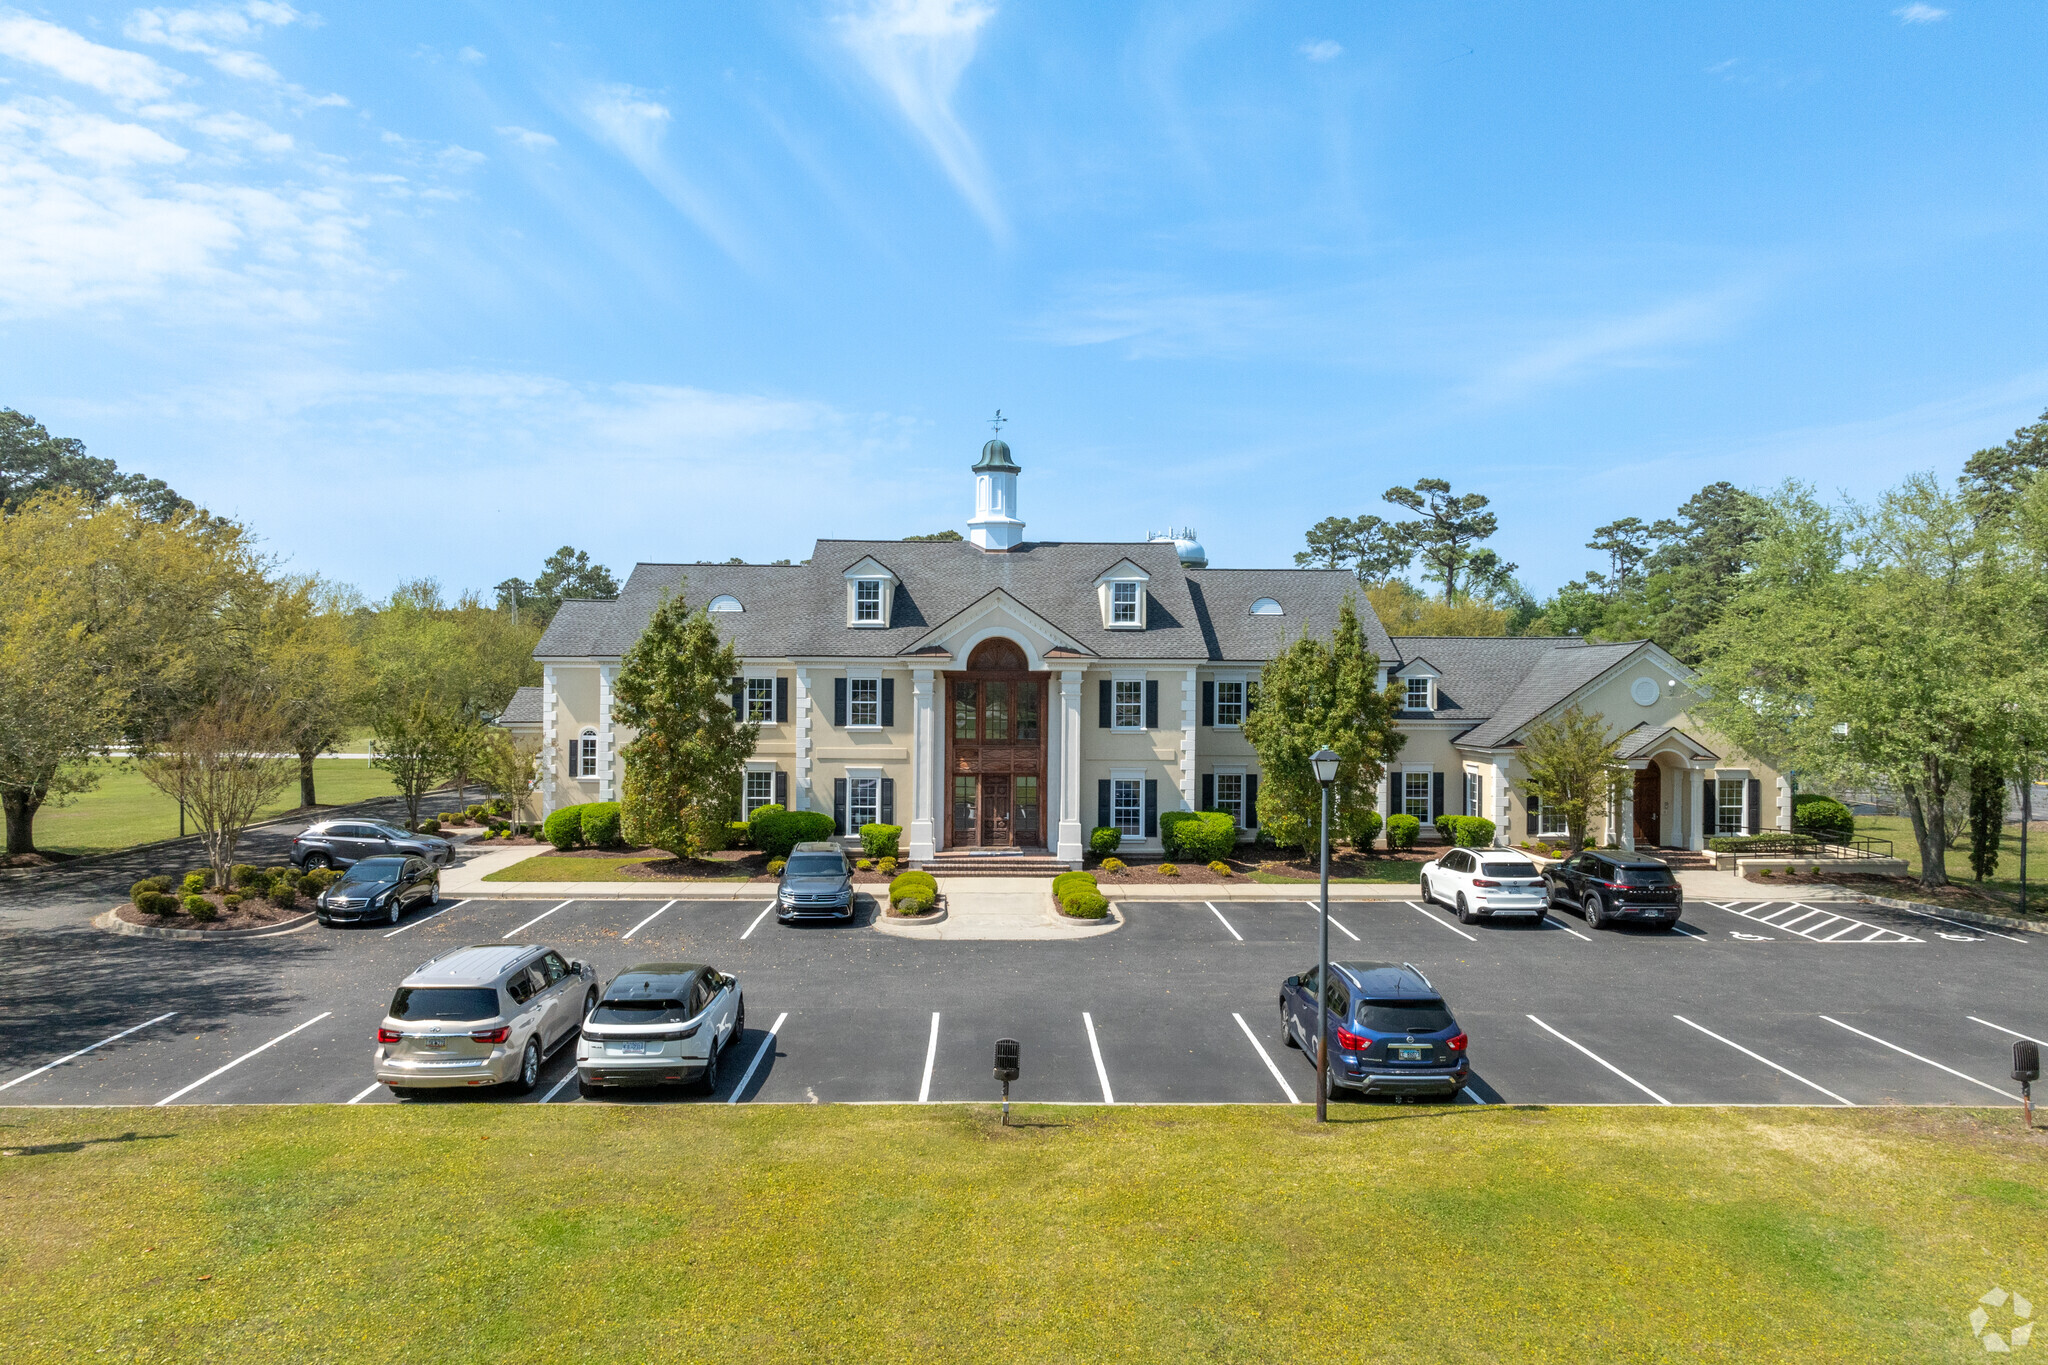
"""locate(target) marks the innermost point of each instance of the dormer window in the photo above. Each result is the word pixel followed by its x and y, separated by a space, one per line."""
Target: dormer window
pixel 1266 606
pixel 723 602
pixel 870 588
pixel 1123 604
pixel 1418 694
pixel 867 601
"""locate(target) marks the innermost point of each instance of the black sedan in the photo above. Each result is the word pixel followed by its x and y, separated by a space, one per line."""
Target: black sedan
pixel 381 889
pixel 1615 888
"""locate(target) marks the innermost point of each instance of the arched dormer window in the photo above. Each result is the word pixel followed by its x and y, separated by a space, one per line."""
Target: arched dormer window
pixel 1266 606
pixel 726 602
pixel 586 754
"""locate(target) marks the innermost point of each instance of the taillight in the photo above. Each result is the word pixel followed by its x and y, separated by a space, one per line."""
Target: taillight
pixel 387 1035
pixel 1351 1042
pixel 1457 1044
pixel 496 1035
pixel 1481 881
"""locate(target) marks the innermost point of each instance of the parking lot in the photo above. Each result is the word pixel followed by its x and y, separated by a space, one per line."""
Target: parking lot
pixel 1748 1003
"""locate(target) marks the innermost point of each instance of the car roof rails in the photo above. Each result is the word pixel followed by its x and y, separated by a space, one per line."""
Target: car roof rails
pixel 1418 974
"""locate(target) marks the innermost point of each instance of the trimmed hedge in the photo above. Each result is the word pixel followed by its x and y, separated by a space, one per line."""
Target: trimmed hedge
pixel 1079 895
pixel 914 892
pixel 1402 831
pixel 564 828
pixel 1198 835
pixel 1823 816
pixel 600 822
pixel 1774 843
pixel 157 903
pixel 1362 826
pixel 203 911
pixel 194 883
pixel 1466 831
pixel 777 831
pixel 194 903
pixel 1068 881
pixel 880 841
pixel 148 886
pixel 1106 840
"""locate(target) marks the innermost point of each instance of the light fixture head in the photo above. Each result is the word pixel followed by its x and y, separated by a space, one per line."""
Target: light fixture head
pixel 1324 762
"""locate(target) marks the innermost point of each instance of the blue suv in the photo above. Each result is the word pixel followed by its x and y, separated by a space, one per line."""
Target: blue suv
pixel 1389 1032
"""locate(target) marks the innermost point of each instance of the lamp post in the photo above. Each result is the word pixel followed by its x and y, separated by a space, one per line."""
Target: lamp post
pixel 1324 762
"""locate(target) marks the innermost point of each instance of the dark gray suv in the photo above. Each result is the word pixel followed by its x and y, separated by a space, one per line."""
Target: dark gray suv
pixel 817 883
pixel 345 842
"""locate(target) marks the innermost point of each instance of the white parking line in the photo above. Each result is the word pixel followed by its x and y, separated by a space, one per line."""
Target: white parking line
pixel 1554 923
pixel 406 928
pixel 767 1046
pixel 1973 928
pixel 220 1071
pixel 2003 1029
pixel 1102 1072
pixel 1696 935
pixel 1918 1058
pixel 538 918
pixel 51 1066
pixel 1285 1088
pixel 1598 1058
pixel 1226 923
pixel 375 1086
pixel 644 923
pixel 559 1084
pixel 1758 913
pixel 1334 921
pixel 758 918
pixel 1765 1060
pixel 931 1056
pixel 1424 912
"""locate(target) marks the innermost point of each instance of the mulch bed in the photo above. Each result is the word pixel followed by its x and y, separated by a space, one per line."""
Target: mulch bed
pixel 1145 870
pixel 250 914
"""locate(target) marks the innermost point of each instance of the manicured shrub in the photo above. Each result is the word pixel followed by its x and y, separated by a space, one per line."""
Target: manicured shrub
pixel 195 904
pixel 157 903
pixel 1170 822
pixel 430 826
pixel 1208 835
pixel 1823 816
pixel 778 831
pixel 1220 868
pixel 1113 864
pixel 1068 882
pixel 600 820
pixel 1447 827
pixel 886 866
pixel 283 894
pixel 1402 831
pixel 564 828
pixel 1471 831
pixel 194 883
pixel 912 903
pixel 203 911
pixel 1288 830
pixel 231 900
pixel 1744 843
pixel 1168 870
pixel 1106 840
pixel 147 886
pixel 863 865
pixel 880 841
pixel 245 874
pixel 309 885
pixel 1083 904
pixel 775 866
pixel 914 883
pixel 739 834
pixel 1360 827
pixel 476 812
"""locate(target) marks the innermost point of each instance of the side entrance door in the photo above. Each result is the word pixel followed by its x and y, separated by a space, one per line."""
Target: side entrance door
pixel 1649 809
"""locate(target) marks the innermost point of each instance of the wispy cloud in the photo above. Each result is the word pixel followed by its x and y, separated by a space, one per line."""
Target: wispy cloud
pixel 220 33
pixel 129 77
pixel 525 137
pixel 916 51
pixel 1322 50
pixel 1920 14
pixel 1632 340
pixel 635 125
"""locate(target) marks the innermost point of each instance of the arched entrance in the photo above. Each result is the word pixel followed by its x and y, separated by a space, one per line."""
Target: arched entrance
pixel 995 750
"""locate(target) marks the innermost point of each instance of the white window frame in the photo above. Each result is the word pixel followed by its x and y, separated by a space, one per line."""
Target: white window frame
pixel 1723 809
pixel 1409 787
pixel 1235 708
pixel 586 753
pixel 1550 826
pixel 765 699
pixel 1472 793
pixel 750 801
pixel 1122 612
pixel 1118 786
pixel 855 783
pixel 861 585
pixel 1233 804
pixel 1117 703
pixel 1428 686
pixel 854 686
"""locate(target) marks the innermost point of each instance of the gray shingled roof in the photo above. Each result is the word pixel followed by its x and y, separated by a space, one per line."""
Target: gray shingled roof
pixel 523 709
pixel 799 611
pixel 1499 684
pixel 1641 738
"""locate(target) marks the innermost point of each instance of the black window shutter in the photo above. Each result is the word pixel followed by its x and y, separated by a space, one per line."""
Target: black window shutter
pixel 1756 806
pixel 1105 718
pixel 839 805
pixel 1706 805
pixel 1151 703
pixel 1209 704
pixel 839 702
pixel 1104 814
pixel 1208 791
pixel 1436 794
pixel 782 789
pixel 781 701
pixel 888 705
pixel 888 800
pixel 1151 808
pixel 1530 805
pixel 739 697
pixel 1251 801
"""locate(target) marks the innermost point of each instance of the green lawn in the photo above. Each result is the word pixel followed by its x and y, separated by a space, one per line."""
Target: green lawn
pixel 545 867
pixel 483 1232
pixel 2005 885
pixel 1374 871
pixel 125 810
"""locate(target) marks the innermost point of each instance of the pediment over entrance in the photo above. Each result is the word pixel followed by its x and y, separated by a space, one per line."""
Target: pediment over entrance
pixel 999 614
pixel 1646 742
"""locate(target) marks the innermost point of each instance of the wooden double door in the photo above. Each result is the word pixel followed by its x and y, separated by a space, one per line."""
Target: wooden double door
pixel 995 758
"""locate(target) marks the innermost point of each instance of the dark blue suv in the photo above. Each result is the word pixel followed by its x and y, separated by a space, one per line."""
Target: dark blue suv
pixel 1389 1032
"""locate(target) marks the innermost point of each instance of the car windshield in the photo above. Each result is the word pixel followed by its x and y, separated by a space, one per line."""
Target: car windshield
pixel 1508 869
pixel 373 870
pixel 816 865
pixel 391 832
pixel 1404 1016
pixel 1646 876
pixel 639 1012
pixel 454 1004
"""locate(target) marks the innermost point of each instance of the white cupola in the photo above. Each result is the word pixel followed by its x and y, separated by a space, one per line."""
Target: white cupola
pixel 995 524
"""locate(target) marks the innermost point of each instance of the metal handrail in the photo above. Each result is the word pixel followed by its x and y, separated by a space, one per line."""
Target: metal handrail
pixel 1809 842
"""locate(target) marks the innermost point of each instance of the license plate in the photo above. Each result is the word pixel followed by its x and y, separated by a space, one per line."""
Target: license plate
pixel 629 1049
pixel 433 1044
pixel 1404 1053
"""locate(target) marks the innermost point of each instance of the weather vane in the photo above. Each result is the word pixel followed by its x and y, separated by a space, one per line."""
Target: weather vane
pixel 997 421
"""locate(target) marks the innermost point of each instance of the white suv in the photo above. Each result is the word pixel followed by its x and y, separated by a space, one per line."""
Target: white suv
pixel 1480 883
pixel 660 1023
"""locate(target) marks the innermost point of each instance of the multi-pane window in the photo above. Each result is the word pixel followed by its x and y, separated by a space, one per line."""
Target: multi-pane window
pixel 1415 796
pixel 1418 694
pixel 1127 806
pixel 760 789
pixel 863 701
pixel 586 754
pixel 1025 807
pixel 1230 703
pixel 1128 697
pixel 1728 805
pixel 761 699
pixel 867 599
pixel 1230 796
pixel 1471 793
pixel 964 802
pixel 1123 604
pixel 1550 823
pixel 863 798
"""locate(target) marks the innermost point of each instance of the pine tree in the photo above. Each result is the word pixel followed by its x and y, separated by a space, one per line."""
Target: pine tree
pixel 683 770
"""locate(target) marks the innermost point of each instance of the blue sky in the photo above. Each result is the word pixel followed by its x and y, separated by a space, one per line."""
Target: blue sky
pixel 433 289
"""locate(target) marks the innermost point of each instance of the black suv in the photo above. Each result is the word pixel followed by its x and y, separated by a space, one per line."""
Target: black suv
pixel 1615 888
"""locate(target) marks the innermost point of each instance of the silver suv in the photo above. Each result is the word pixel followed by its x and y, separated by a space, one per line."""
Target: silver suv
pixel 487 1015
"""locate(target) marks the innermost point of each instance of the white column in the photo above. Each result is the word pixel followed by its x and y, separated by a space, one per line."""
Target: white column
pixel 1784 804
pixel 1189 691
pixel 923 775
pixel 1070 847
pixel 607 744
pixel 548 763
pixel 800 795
pixel 1628 809
pixel 1497 780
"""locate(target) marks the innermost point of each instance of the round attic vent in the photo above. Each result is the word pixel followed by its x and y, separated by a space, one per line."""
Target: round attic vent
pixel 1645 691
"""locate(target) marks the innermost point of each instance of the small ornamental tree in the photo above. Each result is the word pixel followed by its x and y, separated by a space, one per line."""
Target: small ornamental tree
pixel 509 765
pixel 1310 695
pixel 224 766
pixel 1572 771
pixel 413 745
pixel 685 766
